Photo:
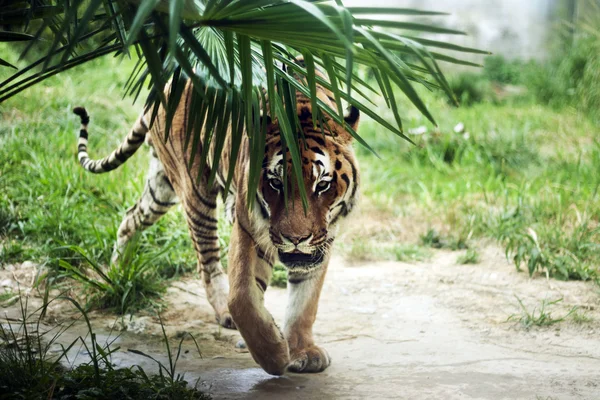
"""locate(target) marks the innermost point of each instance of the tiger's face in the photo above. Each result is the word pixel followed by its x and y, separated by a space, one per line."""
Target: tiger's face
pixel 302 237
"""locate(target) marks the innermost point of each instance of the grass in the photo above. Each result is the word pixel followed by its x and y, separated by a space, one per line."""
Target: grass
pixel 4 297
pixel 539 317
pixel 30 369
pixel 279 278
pixel 51 209
pixel 518 168
pixel 410 253
pixel 131 284
pixel 436 240
pixel 372 250
pixel 581 318
pixel 471 256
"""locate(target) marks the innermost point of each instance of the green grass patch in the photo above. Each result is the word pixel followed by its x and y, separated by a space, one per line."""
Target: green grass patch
pixel 514 169
pixel 131 284
pixel 279 278
pixel 410 253
pixel 31 368
pixel 539 316
pixel 374 250
pixel 471 256
pixel 50 206
pixel 434 239
pixel 581 318
pixel 4 297
pixel 471 88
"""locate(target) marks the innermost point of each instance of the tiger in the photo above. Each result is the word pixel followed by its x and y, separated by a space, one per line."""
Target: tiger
pixel 298 237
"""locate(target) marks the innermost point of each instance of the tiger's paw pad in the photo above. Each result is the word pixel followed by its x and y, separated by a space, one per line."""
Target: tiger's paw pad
pixel 226 321
pixel 312 359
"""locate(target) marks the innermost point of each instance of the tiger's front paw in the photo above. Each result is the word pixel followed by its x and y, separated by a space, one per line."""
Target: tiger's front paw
pixel 274 364
pixel 311 359
pixel 225 320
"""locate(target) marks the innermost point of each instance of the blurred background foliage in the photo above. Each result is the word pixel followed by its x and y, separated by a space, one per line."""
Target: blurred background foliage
pixel 568 76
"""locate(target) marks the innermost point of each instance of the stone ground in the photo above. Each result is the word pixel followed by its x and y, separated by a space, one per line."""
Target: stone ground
pixel 432 330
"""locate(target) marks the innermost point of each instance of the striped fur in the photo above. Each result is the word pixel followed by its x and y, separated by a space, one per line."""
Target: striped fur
pixel 261 234
pixel 128 147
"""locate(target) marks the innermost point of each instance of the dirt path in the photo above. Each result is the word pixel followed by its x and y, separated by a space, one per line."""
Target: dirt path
pixel 431 330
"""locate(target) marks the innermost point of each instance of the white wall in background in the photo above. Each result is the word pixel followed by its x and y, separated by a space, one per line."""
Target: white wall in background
pixel 513 28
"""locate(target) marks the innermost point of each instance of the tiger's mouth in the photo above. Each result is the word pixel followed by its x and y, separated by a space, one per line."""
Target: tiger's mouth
pixel 298 260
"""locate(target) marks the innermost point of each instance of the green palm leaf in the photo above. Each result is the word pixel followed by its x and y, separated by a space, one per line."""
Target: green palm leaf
pixel 232 50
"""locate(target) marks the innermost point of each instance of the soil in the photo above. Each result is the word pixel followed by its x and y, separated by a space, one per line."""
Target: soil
pixel 433 330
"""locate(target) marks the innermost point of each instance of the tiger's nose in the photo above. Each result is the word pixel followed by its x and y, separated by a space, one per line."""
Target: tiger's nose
pixel 296 240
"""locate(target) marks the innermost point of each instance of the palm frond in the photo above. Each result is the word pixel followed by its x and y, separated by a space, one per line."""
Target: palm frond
pixel 232 50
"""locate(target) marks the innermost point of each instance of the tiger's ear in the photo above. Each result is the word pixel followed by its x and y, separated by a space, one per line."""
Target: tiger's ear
pixel 353 117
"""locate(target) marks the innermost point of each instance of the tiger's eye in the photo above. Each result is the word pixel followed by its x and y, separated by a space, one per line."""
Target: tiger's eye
pixel 323 186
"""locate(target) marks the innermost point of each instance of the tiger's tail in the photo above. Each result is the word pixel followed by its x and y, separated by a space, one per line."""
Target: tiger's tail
pixel 118 157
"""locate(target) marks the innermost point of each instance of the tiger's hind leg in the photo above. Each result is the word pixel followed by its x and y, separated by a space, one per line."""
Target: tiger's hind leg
pixel 200 205
pixel 157 199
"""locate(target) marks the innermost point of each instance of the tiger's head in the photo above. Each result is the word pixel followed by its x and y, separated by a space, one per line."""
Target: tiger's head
pixel 303 238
